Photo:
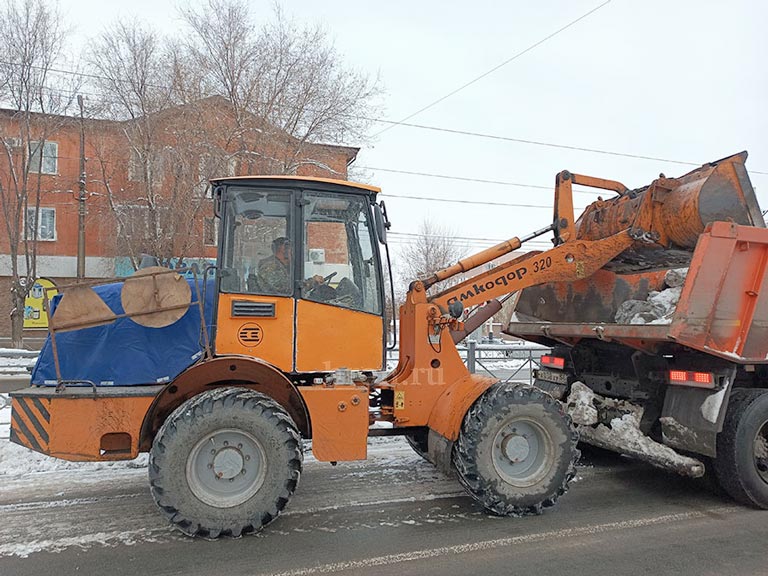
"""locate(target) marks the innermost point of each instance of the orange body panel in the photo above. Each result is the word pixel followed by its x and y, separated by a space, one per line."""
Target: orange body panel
pixel 339 416
pixel 431 384
pixel 329 337
pixel 723 309
pixel 452 405
pixel 268 338
pixel 79 427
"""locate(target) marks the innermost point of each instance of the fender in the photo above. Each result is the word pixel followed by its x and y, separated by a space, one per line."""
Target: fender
pixel 243 371
pixel 452 405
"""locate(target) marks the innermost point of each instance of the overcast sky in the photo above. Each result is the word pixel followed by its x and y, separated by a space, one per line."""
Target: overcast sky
pixel 682 80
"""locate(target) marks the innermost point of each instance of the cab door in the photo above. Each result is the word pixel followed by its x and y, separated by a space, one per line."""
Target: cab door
pixel 256 290
pixel 339 322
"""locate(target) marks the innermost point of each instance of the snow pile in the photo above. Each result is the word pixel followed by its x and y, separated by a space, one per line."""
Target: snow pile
pixel 15 361
pixel 615 425
pixel 624 435
pixel 582 405
pixel 659 307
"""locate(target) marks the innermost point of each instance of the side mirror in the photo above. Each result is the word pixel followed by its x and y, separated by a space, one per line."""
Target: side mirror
pixel 218 197
pixel 381 222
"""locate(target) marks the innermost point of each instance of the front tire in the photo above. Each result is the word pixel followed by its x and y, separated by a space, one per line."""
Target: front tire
pixel 225 462
pixel 741 465
pixel 516 451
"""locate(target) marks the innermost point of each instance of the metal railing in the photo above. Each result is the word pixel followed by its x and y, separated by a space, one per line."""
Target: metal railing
pixel 506 362
pixel 5 404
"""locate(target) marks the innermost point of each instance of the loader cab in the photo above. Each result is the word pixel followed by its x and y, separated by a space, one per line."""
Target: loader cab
pixel 299 275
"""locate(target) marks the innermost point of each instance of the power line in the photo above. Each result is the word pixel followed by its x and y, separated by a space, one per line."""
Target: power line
pixel 451 236
pixel 480 180
pixel 478 202
pixel 403 122
pixel 547 144
pixel 498 66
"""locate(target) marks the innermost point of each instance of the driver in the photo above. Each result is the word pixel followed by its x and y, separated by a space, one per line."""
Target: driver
pixel 275 271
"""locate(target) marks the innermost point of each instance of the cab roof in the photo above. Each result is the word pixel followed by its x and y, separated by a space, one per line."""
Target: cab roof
pixel 298 179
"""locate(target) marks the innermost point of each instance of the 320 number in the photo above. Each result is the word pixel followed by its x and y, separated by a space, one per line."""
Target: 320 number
pixel 542 264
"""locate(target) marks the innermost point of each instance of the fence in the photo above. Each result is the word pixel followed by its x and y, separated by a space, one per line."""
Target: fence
pixel 506 362
pixel 5 415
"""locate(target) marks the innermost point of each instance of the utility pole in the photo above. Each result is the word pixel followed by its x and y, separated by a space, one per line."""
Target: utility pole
pixel 81 198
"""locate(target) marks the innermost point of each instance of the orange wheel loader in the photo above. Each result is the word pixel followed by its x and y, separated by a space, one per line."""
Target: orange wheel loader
pixel 220 377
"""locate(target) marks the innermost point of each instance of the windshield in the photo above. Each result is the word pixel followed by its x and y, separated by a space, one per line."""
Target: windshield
pixel 339 257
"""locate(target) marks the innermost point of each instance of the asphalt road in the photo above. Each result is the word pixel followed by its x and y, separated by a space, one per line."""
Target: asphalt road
pixel 393 514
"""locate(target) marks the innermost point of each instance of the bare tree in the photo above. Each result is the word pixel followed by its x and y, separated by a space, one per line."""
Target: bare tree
pixel 432 249
pixel 36 101
pixel 164 136
pixel 287 84
pixel 230 97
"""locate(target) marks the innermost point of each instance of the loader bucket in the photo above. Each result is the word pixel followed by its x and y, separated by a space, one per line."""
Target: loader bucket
pixel 674 212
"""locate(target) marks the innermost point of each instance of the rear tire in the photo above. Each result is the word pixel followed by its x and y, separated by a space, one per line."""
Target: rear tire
pixel 741 465
pixel 516 451
pixel 225 462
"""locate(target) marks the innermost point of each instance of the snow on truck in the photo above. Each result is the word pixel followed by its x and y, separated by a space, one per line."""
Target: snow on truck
pixel 219 376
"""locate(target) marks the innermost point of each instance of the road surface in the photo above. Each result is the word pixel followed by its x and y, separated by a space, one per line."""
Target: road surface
pixel 392 514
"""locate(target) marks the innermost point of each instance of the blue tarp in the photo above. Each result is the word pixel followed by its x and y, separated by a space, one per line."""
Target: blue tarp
pixel 125 353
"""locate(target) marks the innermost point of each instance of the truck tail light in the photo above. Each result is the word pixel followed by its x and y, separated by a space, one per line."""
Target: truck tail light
pixel 696 379
pixel 553 362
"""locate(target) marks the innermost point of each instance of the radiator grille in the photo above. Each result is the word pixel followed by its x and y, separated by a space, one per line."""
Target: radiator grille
pixel 245 308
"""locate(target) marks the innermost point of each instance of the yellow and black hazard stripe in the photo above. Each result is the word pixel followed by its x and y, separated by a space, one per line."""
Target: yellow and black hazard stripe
pixel 31 422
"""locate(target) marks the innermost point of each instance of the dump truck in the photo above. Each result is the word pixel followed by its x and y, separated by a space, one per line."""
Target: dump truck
pixel 221 373
pixel 663 353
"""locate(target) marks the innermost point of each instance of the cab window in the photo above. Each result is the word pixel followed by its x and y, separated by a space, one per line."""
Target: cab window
pixel 257 251
pixel 340 267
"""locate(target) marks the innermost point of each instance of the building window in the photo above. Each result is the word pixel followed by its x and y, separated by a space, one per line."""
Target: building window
pixel 210 232
pixel 210 166
pixel 45 223
pixel 43 157
pixel 146 167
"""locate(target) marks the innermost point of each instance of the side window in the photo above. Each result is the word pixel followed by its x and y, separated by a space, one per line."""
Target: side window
pixel 339 266
pixel 258 255
pixel 41 228
pixel 43 157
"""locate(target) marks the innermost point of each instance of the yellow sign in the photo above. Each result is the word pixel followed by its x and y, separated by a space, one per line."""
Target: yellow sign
pixel 35 315
pixel 400 400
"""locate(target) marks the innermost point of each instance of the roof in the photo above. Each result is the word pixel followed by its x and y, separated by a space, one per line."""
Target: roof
pixel 347 183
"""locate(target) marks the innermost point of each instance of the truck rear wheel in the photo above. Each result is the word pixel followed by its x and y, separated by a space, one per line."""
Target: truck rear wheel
pixel 516 451
pixel 225 462
pixel 741 465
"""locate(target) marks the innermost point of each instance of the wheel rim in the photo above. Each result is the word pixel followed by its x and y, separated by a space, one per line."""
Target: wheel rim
pixel 522 452
pixel 226 468
pixel 761 452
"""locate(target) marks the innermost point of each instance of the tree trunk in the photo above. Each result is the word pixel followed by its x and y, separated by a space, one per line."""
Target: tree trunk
pixel 17 318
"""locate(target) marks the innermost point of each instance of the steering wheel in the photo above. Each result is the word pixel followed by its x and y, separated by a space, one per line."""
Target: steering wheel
pixel 320 291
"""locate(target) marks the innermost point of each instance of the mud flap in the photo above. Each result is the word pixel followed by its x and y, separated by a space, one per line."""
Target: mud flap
pixel 440 451
pixel 692 417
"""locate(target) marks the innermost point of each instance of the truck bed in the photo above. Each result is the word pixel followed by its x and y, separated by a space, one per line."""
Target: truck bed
pixel 722 311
